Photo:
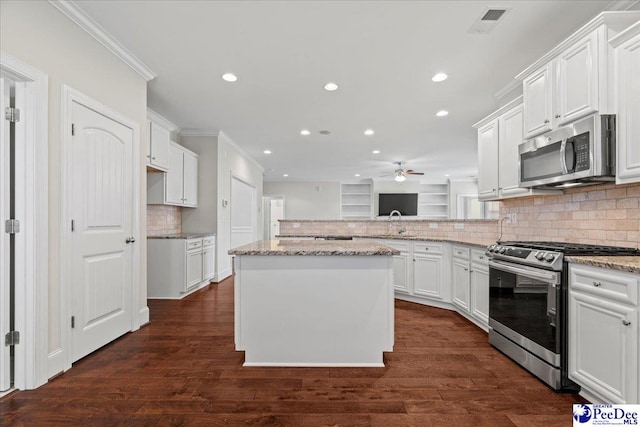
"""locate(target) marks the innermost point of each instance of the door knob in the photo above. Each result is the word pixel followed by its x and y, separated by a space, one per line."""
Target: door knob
pixel 130 240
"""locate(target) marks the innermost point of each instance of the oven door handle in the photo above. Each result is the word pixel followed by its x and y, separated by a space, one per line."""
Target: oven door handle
pixel 550 277
pixel 563 156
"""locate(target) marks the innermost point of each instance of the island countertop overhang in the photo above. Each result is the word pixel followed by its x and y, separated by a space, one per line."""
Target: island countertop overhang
pixel 313 248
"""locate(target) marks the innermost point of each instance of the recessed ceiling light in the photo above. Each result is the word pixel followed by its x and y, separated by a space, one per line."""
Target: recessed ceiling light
pixel 267 151
pixel 369 132
pixel 331 87
pixel 305 132
pixel 442 113
pixel 229 77
pixel 440 77
pixel 376 151
pixel 357 174
pixel 285 175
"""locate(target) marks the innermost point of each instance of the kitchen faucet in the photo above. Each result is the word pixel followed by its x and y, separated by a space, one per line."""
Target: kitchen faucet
pixel 401 229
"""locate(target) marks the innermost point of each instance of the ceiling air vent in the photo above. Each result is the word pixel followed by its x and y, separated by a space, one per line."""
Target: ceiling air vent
pixel 488 20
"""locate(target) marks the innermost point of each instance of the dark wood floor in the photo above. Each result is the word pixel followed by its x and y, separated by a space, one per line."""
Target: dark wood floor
pixel 182 370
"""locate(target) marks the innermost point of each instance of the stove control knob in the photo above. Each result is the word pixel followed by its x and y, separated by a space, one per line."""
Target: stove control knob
pixel 540 255
pixel 502 249
pixel 490 248
pixel 549 257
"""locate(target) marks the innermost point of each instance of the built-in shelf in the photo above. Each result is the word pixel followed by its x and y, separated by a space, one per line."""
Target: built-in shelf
pixel 433 200
pixel 356 200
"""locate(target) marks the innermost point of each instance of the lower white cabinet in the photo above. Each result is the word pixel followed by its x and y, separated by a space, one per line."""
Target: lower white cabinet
pixel 460 279
pixel 402 266
pixel 479 287
pixel 603 333
pixel 176 267
pixel 429 271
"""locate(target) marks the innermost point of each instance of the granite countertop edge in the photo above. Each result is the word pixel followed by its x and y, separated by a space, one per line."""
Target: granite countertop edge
pixel 384 218
pixel 390 237
pixel 313 248
pixel 184 236
pixel 630 264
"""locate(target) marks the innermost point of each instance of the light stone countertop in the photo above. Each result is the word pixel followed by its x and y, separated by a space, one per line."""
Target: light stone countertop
pixel 481 245
pixel 313 247
pixel 630 264
pixel 182 236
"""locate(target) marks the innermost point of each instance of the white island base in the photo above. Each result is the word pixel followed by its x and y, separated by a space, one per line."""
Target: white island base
pixel 314 310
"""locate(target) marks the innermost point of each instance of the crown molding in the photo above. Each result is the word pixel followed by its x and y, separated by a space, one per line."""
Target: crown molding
pixel 616 19
pixel 508 88
pixel 627 34
pixel 162 121
pixel 225 137
pixel 199 132
pixel 500 111
pixel 623 5
pixel 84 21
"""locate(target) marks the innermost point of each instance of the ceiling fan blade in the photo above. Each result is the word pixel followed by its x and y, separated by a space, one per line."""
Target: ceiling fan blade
pixel 387 174
pixel 414 173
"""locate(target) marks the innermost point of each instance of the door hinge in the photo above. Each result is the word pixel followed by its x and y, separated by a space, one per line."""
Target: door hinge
pixel 73 322
pixel 73 225
pixel 12 114
pixel 12 338
pixel 12 226
pixel 73 129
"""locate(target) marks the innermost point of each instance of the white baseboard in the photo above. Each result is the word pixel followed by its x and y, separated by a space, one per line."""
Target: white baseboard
pixel 424 301
pixel 220 276
pixel 55 363
pixel 143 316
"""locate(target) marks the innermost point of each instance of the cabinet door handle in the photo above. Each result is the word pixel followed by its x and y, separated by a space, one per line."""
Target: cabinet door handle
pixel 546 121
pixel 481 257
pixel 625 322
pixel 466 269
pixel 153 158
pixel 130 240
pixel 558 116
pixel 597 284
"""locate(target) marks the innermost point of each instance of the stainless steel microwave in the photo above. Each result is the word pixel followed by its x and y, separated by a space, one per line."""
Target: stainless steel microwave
pixel 578 154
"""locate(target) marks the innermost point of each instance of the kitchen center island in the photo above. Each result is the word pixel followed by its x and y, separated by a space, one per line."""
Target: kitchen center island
pixel 314 303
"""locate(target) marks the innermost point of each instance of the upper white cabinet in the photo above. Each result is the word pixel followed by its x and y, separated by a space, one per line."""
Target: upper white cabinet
pixel 574 79
pixel 158 151
pixel 603 333
pixel 627 53
pixel 498 138
pixel 356 200
pixel 179 186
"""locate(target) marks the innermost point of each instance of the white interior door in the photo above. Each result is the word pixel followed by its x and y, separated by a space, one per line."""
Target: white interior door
pixel 5 257
pixel 276 214
pixel 101 207
pixel 244 215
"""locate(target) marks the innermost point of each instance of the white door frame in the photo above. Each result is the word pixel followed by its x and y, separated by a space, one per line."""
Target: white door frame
pixel 266 211
pixel 254 206
pixel 32 243
pixel 69 96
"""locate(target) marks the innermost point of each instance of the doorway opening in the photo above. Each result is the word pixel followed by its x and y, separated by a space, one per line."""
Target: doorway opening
pixel 274 211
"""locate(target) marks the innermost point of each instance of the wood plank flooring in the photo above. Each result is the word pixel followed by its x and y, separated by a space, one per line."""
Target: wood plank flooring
pixel 182 370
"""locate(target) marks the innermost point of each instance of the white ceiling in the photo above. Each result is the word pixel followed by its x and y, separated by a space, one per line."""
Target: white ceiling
pixel 382 54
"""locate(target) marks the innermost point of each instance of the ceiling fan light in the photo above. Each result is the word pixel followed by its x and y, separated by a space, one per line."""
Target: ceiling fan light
pixel 400 177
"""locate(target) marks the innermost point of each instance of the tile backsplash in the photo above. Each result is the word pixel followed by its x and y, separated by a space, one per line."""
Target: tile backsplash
pixel 163 219
pixel 604 215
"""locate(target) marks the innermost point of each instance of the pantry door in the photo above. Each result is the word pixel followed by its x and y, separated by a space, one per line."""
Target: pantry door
pixel 102 214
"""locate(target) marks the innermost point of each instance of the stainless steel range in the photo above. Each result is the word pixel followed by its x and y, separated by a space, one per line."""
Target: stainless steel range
pixel 528 293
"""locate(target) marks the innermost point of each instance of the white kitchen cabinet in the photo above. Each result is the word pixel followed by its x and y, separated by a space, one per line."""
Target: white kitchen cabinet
pixel 603 333
pixel 479 287
pixel 179 186
pixel 574 78
pixel 627 53
pixel 499 135
pixel 460 278
pixel 429 271
pixel 158 151
pixel 177 267
pixel 208 258
pixel 488 161
pixel 538 98
pixel 402 265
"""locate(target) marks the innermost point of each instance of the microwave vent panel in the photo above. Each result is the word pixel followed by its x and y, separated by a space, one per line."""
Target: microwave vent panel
pixel 488 20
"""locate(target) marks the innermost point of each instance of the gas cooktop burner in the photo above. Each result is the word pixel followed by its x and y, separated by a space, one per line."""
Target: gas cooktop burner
pixel 574 248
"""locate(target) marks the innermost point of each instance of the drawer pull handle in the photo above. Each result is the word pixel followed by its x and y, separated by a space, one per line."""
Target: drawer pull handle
pixel 481 257
pixel 597 284
pixel 625 322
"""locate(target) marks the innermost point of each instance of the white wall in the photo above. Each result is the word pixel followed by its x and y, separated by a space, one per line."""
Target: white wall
pixel 38 34
pixel 232 161
pixel 203 219
pixel 308 200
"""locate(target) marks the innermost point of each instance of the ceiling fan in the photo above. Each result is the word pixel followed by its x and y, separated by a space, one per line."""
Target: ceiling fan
pixel 401 173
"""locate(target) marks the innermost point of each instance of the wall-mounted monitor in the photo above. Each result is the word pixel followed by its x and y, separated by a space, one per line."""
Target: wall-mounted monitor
pixel 405 203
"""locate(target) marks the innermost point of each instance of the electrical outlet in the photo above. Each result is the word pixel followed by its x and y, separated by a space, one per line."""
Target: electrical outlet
pixel 458 226
pixel 433 225
pixel 514 218
pixel 296 225
pixel 351 225
pixel 507 218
